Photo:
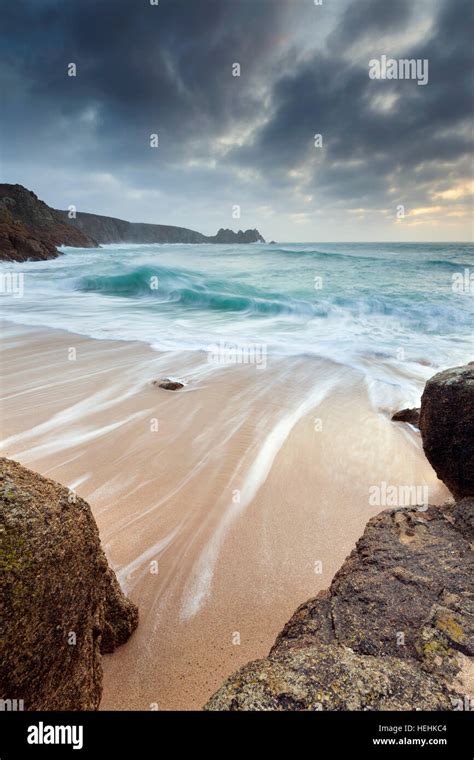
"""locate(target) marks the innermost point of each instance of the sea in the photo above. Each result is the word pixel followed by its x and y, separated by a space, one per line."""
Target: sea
pixel 395 311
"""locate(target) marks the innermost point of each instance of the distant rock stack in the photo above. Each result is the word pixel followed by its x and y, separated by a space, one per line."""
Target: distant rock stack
pixel 227 237
pixel 396 627
pixel 60 603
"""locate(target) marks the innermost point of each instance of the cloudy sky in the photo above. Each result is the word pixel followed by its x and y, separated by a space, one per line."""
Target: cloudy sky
pixel 247 141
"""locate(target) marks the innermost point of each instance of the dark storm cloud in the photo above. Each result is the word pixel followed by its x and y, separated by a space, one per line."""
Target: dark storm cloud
pixel 333 95
pixel 368 18
pixel 167 69
pixel 139 68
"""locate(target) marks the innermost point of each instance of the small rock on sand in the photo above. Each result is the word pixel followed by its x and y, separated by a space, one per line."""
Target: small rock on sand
pixel 407 415
pixel 169 385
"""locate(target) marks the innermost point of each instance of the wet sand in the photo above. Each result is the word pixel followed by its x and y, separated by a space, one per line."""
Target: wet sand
pixel 222 506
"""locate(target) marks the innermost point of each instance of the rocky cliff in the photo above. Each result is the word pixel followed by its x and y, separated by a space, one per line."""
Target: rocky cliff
pixel 396 627
pixel 107 229
pixel 60 603
pixel 31 230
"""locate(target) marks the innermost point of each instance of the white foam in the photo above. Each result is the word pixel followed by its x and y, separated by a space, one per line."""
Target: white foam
pixel 198 588
pixel 71 439
pixel 124 574
pixel 79 481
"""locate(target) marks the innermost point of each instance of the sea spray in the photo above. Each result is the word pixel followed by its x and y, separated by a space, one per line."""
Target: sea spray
pixel 385 309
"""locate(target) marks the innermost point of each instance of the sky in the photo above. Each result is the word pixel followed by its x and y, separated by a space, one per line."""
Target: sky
pixel 393 163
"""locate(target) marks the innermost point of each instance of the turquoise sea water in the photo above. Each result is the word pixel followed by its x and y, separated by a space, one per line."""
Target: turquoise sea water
pixel 352 303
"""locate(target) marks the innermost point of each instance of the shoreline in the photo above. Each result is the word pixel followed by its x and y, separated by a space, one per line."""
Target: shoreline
pixel 227 570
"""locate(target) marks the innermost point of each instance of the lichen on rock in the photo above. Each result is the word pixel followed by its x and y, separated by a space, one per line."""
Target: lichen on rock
pixel 330 677
pixel 396 626
pixel 386 634
pixel 60 602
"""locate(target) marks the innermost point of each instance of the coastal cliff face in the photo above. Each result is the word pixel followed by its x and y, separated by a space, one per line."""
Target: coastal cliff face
pixel 108 230
pixel 396 627
pixel 31 230
pixel 60 603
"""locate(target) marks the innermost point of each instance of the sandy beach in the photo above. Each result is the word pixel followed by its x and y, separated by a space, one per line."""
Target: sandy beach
pixel 221 506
